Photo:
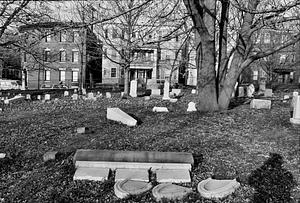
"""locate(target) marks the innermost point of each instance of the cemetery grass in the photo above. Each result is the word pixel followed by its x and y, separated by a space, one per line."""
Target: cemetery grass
pixel 228 144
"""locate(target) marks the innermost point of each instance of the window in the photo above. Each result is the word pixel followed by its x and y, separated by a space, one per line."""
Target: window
pixel 74 76
pixel 255 75
pixel 47 75
pixel 75 36
pixel 106 33
pixel 47 37
pixel 47 56
pixel 149 74
pixel 25 57
pixel 115 33
pixel 167 57
pixel 282 58
pixel 62 75
pixel 267 38
pixel 113 72
pixel 62 55
pixel 62 36
pixel 75 56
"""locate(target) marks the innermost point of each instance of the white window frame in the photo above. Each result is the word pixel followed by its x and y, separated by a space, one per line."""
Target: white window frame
pixel 255 75
pixel 62 75
pixel 73 56
pixel 75 75
pixel 47 75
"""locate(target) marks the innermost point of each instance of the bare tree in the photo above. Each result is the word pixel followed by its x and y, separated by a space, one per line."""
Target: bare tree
pixel 237 30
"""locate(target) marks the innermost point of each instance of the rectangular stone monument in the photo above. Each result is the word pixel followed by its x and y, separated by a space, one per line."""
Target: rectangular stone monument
pixel 176 91
pixel 75 97
pixel 194 91
pixel 296 113
pixel 47 97
pixel 268 93
pixel 39 97
pixel 28 96
pixel 155 92
pixel 260 104
pixel 166 95
pixel 66 93
pixel 83 91
pixel 108 95
pixel 90 95
pixel 133 88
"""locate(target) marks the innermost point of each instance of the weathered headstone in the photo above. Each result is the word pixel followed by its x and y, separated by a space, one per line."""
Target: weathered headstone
pixel 39 97
pixel 194 91
pixel 28 96
pixel 81 130
pixel 173 100
pixel 260 104
pixel 241 92
pixel 160 109
pixel 90 95
pixel 2 155
pixel 108 95
pixel 83 91
pixel 176 91
pixel 66 93
pixel 295 94
pixel 268 93
pixel 75 96
pixel 262 85
pixel 250 90
pixel 132 174
pixel 133 88
pixel 122 94
pixel 47 97
pixel 147 98
pixel 296 112
pixel 166 95
pixel 117 114
pixel 173 176
pixel 191 107
pixel 155 92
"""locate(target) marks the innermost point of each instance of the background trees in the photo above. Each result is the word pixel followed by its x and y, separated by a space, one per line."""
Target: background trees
pixel 237 23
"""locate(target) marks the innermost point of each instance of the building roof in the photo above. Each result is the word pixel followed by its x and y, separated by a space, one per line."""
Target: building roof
pixel 51 25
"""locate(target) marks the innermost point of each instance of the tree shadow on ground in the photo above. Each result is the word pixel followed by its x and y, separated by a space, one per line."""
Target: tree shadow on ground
pixel 272 183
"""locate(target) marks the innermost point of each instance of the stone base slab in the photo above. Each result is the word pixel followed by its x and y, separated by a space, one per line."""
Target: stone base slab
pixel 173 176
pixel 96 174
pixel 132 174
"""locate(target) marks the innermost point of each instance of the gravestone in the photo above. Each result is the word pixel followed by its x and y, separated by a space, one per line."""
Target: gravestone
pixel 75 96
pixel 268 93
pixel 147 98
pixel 155 92
pixel 160 109
pixel 90 95
pixel 28 96
pixel 83 91
pixel 2 155
pixel 250 90
pixel 260 104
pixel 132 174
pixel 108 95
pixel 91 173
pixel 66 93
pixel 262 86
pixel 176 91
pixel 241 92
pixel 166 95
pixel 173 176
pixel 122 94
pixel 295 94
pixel 296 112
pixel 133 88
pixel 47 97
pixel 39 97
pixel 173 100
pixel 117 114
pixel 191 107
pixel 194 91
pixel 51 155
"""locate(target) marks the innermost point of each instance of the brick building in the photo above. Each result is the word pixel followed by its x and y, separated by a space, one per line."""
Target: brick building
pixel 60 53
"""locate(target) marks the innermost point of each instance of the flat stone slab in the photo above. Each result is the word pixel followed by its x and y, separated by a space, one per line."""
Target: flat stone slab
pixel 260 104
pixel 51 155
pixel 155 92
pixel 170 191
pixel 176 91
pixel 160 109
pixel 117 114
pixel 211 188
pixel 96 174
pixel 133 159
pixel 173 176
pixel 127 187
pixel 132 174
pixel 15 98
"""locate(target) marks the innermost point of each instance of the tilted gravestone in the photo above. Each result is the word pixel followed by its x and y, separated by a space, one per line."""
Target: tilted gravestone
pixel 191 107
pixel 260 104
pixel 108 95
